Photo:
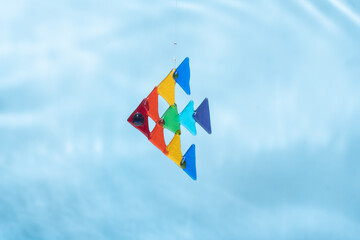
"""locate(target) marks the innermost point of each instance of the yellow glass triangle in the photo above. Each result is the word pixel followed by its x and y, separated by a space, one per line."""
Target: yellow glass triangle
pixel 166 88
pixel 174 150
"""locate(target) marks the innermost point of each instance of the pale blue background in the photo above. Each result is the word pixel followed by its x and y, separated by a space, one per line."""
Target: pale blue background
pixel 282 78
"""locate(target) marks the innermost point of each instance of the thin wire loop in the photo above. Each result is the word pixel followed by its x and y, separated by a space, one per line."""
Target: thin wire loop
pixel 175 32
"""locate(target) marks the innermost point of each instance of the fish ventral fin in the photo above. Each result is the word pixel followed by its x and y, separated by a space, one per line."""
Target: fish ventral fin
pixel 182 75
pixel 189 162
pixel 187 119
pixel 202 116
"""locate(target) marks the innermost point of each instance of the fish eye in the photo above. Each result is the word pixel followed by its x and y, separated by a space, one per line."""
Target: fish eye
pixel 138 119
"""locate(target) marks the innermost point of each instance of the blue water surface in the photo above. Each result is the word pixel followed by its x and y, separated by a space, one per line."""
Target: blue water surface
pixel 282 78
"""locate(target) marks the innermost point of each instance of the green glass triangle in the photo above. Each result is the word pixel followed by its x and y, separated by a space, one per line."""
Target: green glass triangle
pixel 171 119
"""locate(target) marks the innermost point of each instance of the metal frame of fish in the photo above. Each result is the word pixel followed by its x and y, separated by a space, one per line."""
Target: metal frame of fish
pixel 171 119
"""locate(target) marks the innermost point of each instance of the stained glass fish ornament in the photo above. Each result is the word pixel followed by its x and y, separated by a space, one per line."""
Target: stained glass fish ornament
pixel 172 119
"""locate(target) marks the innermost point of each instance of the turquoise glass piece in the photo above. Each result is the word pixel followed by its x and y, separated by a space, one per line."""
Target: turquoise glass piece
pixel 182 75
pixel 186 118
pixel 190 162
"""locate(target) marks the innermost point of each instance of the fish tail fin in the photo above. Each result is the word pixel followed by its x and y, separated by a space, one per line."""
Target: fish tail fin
pixel 202 115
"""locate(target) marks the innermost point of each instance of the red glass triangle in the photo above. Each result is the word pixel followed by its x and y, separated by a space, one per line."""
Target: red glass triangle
pixel 142 109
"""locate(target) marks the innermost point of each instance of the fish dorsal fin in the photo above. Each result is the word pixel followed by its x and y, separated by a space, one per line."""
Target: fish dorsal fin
pixel 182 75
pixel 157 138
pixel 174 150
pixel 190 162
pixel 166 88
pixel 186 118
pixel 171 119
pixel 202 116
pixel 152 99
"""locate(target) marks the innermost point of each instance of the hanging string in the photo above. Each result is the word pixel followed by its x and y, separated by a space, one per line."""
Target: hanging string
pixel 175 31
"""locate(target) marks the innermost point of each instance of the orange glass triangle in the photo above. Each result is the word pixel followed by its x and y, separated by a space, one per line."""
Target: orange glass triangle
pixel 157 138
pixel 152 99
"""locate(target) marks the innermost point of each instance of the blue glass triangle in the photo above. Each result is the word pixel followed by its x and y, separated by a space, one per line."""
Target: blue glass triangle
pixel 202 116
pixel 189 159
pixel 186 118
pixel 182 75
